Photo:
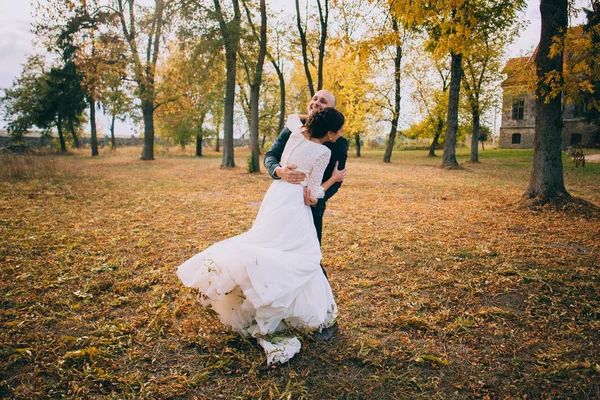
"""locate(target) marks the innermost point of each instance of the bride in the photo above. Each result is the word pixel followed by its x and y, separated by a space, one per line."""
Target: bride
pixel 270 277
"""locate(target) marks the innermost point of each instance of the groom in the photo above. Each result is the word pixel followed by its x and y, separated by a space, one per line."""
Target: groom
pixel 339 153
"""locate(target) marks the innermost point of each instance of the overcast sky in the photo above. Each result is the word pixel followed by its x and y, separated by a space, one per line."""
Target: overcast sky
pixel 16 38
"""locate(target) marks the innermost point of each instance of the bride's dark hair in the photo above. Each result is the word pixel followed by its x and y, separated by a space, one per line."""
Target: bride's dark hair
pixel 324 121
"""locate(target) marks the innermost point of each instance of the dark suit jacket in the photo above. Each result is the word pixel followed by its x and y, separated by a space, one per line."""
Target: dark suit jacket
pixel 339 153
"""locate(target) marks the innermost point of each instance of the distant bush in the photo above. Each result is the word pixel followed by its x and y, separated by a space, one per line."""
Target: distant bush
pixel 374 144
pixel 414 147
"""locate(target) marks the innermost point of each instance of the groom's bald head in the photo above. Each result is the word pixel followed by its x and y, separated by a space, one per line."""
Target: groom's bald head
pixel 322 99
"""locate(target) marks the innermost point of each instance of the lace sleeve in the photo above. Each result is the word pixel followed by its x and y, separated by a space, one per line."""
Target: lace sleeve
pixel 316 175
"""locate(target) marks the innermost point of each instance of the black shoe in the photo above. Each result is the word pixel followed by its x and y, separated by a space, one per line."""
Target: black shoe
pixel 326 333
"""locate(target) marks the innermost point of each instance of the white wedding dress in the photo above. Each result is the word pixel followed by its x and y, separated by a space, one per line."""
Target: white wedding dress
pixel 269 277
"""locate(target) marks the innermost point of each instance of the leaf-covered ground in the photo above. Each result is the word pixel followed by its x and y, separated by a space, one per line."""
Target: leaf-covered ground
pixel 445 288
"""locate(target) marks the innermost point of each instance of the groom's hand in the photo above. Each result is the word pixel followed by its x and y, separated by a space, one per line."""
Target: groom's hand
pixel 308 201
pixel 338 174
pixel 288 174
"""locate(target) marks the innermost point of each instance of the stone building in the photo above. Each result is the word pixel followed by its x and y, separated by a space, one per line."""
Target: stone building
pixel 517 129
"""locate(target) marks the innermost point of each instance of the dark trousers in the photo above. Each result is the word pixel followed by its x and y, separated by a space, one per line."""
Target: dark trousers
pixel 318 220
pixel 319 225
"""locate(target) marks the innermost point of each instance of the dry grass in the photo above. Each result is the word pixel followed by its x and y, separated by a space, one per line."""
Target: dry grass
pixel 30 166
pixel 445 288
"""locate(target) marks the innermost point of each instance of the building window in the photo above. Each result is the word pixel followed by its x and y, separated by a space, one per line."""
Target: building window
pixel 579 110
pixel 575 139
pixel 516 138
pixel 518 109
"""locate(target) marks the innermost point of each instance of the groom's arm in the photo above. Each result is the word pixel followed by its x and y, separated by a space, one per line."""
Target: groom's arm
pixel 273 156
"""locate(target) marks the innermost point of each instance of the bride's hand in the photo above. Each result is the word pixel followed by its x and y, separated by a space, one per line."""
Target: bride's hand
pixel 338 175
pixel 308 201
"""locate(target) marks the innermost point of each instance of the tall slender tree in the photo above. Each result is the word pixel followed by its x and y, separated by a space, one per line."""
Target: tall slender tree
pixel 323 6
pixel 387 156
pixel 277 61
pixel 482 72
pixel 431 79
pixel 304 47
pixel 144 61
pixel 449 155
pixel 230 32
pixel 80 32
pixel 323 10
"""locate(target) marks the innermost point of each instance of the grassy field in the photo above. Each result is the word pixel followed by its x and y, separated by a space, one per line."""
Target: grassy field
pixel 445 288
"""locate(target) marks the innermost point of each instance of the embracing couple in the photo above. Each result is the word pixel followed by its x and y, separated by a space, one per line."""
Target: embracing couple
pixel 270 278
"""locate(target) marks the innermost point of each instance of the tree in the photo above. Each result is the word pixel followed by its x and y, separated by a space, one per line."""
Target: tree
pixel 389 42
pixel 66 97
pixel 56 24
pixel 21 104
pixel 387 156
pixel 351 79
pixel 43 98
pixel 73 30
pixel 230 33
pixel 431 79
pixel 275 56
pixel 270 122
pixel 144 69
pixel 79 32
pixel 255 82
pixel 581 73
pixel 449 155
pixel 546 183
pixel 190 84
pixel 484 134
pixel 323 7
pixel 481 69
pixel 482 72
pixel 452 25
pixel 200 43
pixel 115 94
pixel 591 96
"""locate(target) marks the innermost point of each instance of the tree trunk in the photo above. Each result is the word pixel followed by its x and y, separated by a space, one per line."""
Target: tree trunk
pixel 357 141
pixel 61 136
pixel 231 36
pixel 323 19
pixel 475 137
pixel 387 157
pixel 449 156
pixel 264 139
pixel 281 78
pixel 218 143
pixel 148 114
pixel 199 144
pixel 93 130
pixel 254 166
pixel 144 75
pixel 113 140
pixel 228 158
pixel 304 46
pixel 436 137
pixel 200 135
pixel 73 133
pixel 482 146
pixel 546 183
